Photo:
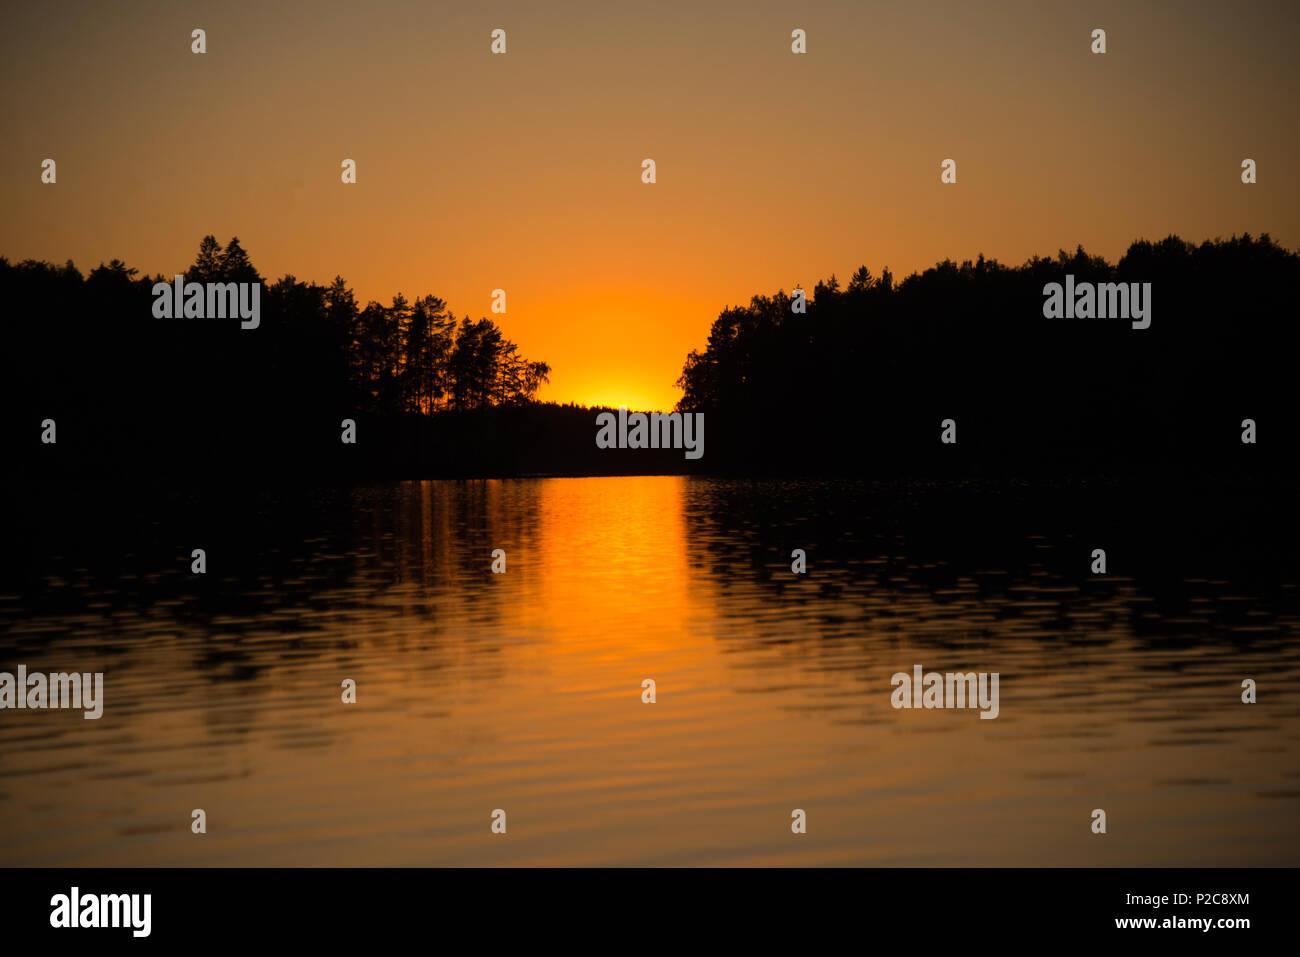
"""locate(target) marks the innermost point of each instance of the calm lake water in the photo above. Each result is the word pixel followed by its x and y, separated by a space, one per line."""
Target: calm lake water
pixel 522 691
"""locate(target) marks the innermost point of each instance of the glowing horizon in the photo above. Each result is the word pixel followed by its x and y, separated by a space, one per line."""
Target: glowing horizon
pixel 522 171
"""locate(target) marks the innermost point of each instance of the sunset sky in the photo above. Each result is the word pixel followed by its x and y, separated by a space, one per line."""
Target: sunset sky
pixel 523 171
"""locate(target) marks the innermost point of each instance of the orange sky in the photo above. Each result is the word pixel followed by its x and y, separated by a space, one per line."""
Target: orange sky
pixel 522 171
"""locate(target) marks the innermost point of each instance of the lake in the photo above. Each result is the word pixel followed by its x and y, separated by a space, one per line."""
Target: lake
pixel 522 691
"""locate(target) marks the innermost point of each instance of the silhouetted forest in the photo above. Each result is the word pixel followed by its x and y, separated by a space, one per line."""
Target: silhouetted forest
pixel 407 356
pixel 858 384
pixel 129 391
pixel 861 382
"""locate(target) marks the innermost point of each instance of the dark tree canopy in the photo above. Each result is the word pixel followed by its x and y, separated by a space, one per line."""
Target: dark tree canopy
pixel 863 378
pixel 131 391
pixel 316 341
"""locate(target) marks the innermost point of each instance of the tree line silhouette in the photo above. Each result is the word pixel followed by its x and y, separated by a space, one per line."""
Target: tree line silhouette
pixel 863 378
pixel 857 384
pixel 123 385
pixel 407 356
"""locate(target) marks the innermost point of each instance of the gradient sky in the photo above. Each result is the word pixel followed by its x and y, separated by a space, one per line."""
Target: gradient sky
pixel 523 171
